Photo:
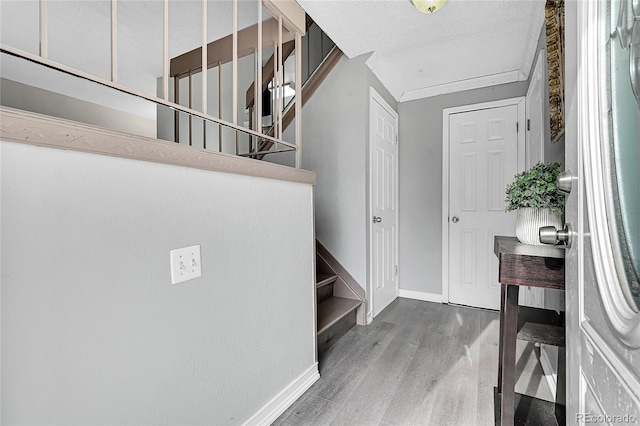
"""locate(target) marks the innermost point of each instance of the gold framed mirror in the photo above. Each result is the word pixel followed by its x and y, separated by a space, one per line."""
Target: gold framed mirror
pixel 554 17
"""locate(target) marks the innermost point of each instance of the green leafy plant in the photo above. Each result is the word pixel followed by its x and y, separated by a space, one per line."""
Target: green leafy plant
pixel 536 188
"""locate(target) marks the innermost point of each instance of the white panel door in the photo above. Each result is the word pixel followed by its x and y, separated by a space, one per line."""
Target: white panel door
pixel 384 201
pixel 483 160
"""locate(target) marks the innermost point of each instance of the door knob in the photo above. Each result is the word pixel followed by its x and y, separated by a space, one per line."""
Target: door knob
pixel 455 219
pixel 564 181
pixel 377 219
pixel 550 235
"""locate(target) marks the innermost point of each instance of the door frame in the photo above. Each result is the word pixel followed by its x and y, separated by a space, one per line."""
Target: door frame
pixel 446 113
pixel 374 96
pixel 540 61
pixel 529 295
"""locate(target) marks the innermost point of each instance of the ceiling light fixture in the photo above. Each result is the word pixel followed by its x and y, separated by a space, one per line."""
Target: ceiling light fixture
pixel 428 6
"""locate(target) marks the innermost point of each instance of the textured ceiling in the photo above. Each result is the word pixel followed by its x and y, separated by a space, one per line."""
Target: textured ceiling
pixel 467 44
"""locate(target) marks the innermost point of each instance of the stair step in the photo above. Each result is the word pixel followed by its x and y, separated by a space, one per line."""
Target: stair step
pixel 325 279
pixel 333 310
pixel 323 293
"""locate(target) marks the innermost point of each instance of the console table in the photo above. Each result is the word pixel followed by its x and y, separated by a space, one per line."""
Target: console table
pixel 533 266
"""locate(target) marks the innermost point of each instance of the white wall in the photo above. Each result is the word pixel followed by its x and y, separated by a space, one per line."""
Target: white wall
pixel 30 98
pixel 92 330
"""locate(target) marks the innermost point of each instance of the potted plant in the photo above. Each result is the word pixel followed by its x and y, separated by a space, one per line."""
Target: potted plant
pixel 534 195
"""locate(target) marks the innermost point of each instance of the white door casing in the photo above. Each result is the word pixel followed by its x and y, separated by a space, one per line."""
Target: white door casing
pixel 536 120
pixel 603 329
pixel 383 196
pixel 483 148
pixel 538 128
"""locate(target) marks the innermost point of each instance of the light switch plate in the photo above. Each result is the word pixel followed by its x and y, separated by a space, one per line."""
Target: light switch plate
pixel 185 264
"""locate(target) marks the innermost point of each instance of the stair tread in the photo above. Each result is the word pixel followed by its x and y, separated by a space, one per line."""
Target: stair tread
pixel 325 279
pixel 333 309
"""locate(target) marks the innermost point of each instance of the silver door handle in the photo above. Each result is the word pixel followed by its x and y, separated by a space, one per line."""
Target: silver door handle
pixel 564 181
pixel 455 219
pixel 550 235
pixel 377 219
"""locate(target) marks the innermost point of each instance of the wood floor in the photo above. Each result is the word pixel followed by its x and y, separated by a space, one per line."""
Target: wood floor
pixel 418 363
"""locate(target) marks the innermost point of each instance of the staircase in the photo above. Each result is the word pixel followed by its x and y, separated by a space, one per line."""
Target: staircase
pixel 321 56
pixel 338 297
pixel 308 88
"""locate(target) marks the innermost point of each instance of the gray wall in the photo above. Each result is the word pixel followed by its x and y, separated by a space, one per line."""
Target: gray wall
pixel 29 98
pixel 93 332
pixel 554 152
pixel 334 123
pixel 421 178
pixel 421 182
pixel 335 146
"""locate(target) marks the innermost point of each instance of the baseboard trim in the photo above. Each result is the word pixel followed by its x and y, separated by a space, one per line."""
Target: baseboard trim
pixel 283 400
pixel 547 367
pixel 420 295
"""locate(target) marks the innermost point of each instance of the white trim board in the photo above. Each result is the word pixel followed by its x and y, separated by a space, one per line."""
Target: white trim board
pixel 462 85
pixel 420 295
pixel 285 398
pixel 541 61
pixel 520 102
pixel 43 130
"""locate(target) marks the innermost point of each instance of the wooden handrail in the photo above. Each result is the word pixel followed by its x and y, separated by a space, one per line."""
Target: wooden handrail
pixel 220 51
pixel 267 72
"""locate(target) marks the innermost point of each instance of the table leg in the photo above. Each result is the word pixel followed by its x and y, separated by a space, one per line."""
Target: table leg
pixel 503 293
pixel 561 387
pixel 509 336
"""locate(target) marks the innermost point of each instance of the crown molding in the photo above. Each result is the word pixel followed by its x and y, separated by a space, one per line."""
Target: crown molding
pixel 461 85
pixel 521 74
pixel 42 130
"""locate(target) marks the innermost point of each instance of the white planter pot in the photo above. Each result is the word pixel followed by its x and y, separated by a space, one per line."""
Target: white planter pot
pixel 530 221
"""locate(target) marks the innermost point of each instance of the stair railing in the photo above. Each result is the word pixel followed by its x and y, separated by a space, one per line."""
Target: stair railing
pixel 320 54
pixel 292 18
pixel 251 40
